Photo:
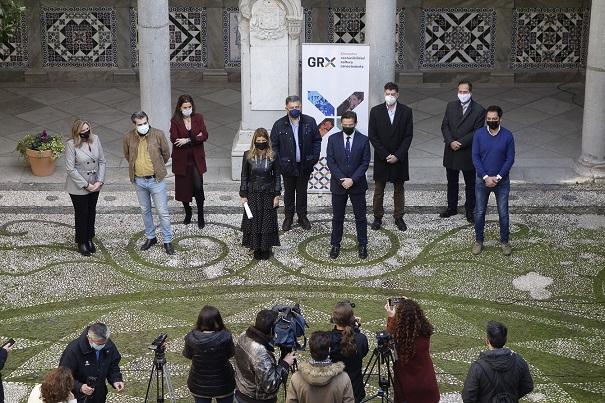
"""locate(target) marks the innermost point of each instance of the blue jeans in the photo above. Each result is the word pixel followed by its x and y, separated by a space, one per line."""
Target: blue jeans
pixel 501 191
pixel 227 399
pixel 148 189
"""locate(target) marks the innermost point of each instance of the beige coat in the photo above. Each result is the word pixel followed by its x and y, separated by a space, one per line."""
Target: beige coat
pixel 157 146
pixel 84 166
pixel 314 383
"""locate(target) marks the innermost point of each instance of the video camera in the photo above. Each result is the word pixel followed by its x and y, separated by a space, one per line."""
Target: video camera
pixel 396 300
pixel 383 340
pixel 159 347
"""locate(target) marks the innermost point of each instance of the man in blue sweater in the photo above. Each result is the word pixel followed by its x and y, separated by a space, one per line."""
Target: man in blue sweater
pixel 493 156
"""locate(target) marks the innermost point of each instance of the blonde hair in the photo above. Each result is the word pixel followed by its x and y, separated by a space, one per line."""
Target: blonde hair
pixel 253 152
pixel 76 127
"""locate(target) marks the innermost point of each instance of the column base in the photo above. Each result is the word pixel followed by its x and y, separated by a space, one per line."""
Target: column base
pixel 594 170
pixel 241 144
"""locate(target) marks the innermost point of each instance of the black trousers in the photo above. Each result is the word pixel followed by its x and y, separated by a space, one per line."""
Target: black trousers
pixel 339 204
pixel 452 189
pixel 85 211
pixel 295 194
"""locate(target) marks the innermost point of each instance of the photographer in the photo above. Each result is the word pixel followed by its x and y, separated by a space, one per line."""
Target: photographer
pixel 209 347
pixel 258 375
pixel 93 355
pixel 3 356
pixel 349 345
pixel 415 379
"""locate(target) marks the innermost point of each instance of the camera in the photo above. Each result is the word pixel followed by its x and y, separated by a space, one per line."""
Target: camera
pixel 348 301
pixel 395 300
pixel 91 381
pixel 383 339
pixel 9 342
pixel 158 343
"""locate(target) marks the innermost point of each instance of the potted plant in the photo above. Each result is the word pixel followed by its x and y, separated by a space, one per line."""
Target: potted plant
pixel 42 150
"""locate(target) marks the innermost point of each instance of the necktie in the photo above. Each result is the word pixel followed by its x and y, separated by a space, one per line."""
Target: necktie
pixel 465 107
pixel 98 354
pixel 348 149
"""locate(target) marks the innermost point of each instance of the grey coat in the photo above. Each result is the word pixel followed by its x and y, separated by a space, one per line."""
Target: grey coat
pixel 84 166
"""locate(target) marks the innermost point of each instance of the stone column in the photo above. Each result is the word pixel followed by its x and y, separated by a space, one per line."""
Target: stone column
pixel 592 160
pixel 380 35
pixel 154 62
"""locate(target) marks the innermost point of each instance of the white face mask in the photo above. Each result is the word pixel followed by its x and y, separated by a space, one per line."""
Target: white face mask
pixel 464 98
pixel 390 99
pixel 187 112
pixel 143 129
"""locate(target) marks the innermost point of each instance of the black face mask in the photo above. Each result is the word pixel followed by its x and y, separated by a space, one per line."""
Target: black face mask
pixel 348 130
pixel 493 124
pixel 85 135
pixel 261 146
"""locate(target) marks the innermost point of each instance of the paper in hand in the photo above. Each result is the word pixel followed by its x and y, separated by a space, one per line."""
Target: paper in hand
pixel 248 211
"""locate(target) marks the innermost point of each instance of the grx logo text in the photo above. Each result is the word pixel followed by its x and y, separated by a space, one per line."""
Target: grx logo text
pixel 321 61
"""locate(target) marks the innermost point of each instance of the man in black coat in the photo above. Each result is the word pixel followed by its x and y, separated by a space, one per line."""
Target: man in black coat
pixel 348 155
pixel 390 131
pixel 3 356
pixel 296 140
pixel 93 354
pixel 498 372
pixel 462 118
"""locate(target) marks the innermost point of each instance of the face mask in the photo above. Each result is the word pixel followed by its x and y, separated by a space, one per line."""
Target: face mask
pixel 85 135
pixel 390 99
pixel 261 146
pixel 464 98
pixel 143 129
pixel 348 130
pixel 493 124
pixel 187 112
pixel 295 113
pixel 97 347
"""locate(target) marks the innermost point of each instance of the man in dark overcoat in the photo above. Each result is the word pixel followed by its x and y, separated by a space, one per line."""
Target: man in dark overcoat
pixel 390 131
pixel 462 117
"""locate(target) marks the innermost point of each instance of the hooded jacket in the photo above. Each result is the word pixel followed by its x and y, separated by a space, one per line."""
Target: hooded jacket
pixel 211 373
pixel 320 383
pixel 506 368
pixel 81 359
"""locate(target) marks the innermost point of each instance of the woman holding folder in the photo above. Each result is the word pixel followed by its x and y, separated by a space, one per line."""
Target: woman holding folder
pixel 259 191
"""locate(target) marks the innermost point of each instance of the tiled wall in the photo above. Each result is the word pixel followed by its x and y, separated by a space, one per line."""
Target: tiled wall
pixel 427 39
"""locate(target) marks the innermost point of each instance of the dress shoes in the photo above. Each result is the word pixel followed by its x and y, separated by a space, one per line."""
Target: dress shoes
pixel 287 225
pixel 376 224
pixel 363 252
pixel 201 221
pixel 304 222
pixel 169 248
pixel 149 243
pixel 91 246
pixel 401 224
pixel 447 213
pixel 83 249
pixel 258 255
pixel 334 252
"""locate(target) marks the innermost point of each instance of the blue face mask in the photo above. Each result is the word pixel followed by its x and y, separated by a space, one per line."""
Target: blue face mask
pixel 97 347
pixel 295 113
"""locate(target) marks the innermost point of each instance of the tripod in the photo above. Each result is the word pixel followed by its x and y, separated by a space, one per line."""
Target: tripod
pixel 383 357
pixel 162 374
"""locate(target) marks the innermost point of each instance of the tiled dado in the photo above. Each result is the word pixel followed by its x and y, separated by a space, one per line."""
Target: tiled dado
pixel 188 41
pixel 13 52
pixel 549 38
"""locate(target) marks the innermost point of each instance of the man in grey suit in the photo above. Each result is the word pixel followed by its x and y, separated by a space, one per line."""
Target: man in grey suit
pixel 462 118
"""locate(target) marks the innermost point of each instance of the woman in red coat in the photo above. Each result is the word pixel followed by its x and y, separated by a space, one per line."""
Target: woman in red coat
pixel 415 380
pixel 188 133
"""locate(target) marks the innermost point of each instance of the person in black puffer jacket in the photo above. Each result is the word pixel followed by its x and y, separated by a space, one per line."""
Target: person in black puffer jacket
pixel 209 346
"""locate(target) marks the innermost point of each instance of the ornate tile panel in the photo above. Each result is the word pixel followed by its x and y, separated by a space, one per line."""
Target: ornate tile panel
pixel 400 38
pixel 13 53
pixel 457 38
pixel 307 25
pixel 346 25
pixel 188 41
pixel 549 38
pixel 231 37
pixel 77 36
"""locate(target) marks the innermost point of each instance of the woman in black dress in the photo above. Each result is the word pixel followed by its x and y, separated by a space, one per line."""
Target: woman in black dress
pixel 260 188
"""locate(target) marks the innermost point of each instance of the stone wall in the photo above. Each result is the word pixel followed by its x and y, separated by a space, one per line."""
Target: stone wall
pixel 436 40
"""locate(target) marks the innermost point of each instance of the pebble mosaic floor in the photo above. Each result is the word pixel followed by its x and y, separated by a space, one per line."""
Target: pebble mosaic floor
pixel 550 292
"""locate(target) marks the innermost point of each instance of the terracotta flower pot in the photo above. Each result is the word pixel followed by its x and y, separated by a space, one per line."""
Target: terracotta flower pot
pixel 41 162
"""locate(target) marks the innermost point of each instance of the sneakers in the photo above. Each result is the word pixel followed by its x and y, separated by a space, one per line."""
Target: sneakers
pixel 477 248
pixel 506 249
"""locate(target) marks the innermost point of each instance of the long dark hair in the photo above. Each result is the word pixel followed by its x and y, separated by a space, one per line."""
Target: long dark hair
pixel 343 316
pixel 178 115
pixel 410 323
pixel 209 319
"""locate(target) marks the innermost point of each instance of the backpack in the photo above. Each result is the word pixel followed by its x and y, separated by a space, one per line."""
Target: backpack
pixel 500 395
pixel 289 326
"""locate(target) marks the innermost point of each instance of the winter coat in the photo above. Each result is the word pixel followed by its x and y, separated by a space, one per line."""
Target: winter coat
pixel 506 368
pixel 353 364
pixel 157 147
pixel 282 143
pixel 391 138
pixel 458 127
pixel 260 175
pixel 316 383
pixel 258 375
pixel 211 373
pixel 3 357
pixel 81 359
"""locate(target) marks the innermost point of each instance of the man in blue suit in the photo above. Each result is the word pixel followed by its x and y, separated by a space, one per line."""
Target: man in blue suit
pixel 348 156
